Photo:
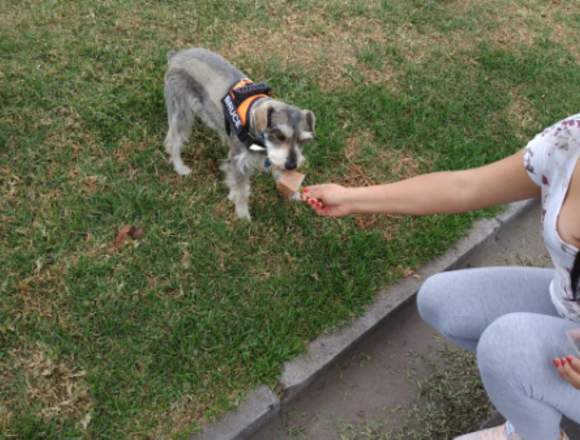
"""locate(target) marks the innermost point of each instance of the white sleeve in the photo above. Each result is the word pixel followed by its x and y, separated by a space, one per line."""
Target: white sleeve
pixel 536 156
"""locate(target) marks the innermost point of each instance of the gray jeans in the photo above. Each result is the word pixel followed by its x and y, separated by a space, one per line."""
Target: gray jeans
pixel 505 314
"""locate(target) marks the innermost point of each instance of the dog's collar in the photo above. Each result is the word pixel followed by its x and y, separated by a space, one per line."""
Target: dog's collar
pixel 237 105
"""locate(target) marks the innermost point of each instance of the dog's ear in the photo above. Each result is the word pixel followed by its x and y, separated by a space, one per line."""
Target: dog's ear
pixel 263 118
pixel 310 121
pixel 269 117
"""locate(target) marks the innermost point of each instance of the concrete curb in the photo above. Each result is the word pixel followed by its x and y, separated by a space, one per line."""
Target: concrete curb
pixel 259 406
pixel 297 374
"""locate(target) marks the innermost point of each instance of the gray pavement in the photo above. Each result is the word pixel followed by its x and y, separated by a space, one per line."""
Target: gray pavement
pixel 370 382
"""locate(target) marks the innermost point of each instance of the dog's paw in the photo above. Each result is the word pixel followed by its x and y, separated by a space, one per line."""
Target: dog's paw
pixel 243 214
pixel 182 170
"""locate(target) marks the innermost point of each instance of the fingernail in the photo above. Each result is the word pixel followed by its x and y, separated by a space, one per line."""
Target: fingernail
pixel 569 359
pixel 305 190
pixel 555 362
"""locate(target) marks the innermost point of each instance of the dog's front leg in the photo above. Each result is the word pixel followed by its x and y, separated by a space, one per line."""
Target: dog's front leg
pixel 238 183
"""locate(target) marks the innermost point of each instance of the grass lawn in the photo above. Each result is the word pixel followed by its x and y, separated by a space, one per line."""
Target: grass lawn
pixel 155 338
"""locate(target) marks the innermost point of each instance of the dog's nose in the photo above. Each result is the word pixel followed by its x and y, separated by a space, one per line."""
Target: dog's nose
pixel 291 160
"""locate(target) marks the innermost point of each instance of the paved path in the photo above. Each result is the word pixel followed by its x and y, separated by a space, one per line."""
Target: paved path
pixel 370 381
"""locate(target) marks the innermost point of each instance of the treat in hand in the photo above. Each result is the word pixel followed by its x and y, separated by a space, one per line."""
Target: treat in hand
pixel 289 184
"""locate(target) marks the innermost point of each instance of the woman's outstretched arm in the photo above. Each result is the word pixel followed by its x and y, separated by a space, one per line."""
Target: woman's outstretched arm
pixel 442 192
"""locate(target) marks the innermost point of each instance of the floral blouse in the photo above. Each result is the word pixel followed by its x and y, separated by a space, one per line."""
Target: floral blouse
pixel 550 159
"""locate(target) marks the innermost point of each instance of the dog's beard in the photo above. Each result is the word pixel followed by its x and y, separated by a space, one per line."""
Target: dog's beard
pixel 278 156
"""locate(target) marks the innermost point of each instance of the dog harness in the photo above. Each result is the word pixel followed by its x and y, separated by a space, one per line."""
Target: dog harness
pixel 237 105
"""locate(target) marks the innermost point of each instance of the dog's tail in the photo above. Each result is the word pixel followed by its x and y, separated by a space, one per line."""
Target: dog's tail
pixel 171 54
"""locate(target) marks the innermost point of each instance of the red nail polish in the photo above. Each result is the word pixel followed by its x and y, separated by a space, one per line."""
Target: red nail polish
pixel 305 190
pixel 555 363
pixel 569 359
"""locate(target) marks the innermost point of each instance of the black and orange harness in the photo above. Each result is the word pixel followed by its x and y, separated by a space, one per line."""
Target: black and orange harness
pixel 237 105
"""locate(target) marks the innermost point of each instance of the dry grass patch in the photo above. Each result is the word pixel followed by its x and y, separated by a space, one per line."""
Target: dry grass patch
pixel 43 294
pixel 5 418
pixel 357 174
pixel 522 115
pixel 520 24
pixel 323 47
pixel 55 385
pixel 418 47
pixel 387 165
pixel 182 415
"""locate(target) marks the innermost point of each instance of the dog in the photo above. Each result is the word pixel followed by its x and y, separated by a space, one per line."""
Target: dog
pixel 264 134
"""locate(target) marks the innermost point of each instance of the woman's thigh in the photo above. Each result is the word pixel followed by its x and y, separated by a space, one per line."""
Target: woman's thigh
pixel 461 304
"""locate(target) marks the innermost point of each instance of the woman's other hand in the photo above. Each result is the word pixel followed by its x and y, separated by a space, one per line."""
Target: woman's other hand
pixel 569 370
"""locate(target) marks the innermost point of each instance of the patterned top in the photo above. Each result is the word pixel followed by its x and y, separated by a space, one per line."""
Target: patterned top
pixel 550 159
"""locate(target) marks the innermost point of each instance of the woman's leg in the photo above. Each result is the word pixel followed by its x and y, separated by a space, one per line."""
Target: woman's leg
pixel 461 304
pixel 515 357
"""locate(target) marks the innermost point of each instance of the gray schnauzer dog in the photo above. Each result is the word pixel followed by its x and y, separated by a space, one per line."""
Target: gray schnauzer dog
pixel 263 134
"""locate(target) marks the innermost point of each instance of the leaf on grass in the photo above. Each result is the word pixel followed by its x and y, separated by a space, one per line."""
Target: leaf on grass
pixel 136 232
pixel 128 231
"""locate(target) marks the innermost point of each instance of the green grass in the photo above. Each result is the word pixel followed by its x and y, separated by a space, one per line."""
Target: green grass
pixel 173 329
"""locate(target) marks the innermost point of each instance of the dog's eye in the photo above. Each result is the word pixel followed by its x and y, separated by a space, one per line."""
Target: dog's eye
pixel 278 135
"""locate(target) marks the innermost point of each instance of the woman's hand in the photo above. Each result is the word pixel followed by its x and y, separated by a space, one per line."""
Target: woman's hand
pixel 569 370
pixel 328 199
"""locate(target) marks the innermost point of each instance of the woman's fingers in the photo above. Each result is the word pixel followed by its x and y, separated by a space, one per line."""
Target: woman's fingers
pixel 320 208
pixel 567 371
pixel 326 199
pixel 315 203
pixel 315 191
pixel 574 362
